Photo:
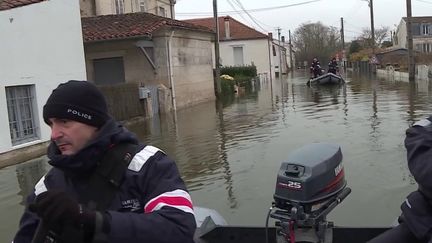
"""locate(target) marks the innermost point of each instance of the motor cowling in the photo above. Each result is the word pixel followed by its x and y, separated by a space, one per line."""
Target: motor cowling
pixel 309 185
pixel 310 175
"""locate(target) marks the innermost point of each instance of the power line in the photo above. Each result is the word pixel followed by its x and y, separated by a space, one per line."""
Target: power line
pixel 423 1
pixel 248 14
pixel 351 31
pixel 241 15
pixel 250 10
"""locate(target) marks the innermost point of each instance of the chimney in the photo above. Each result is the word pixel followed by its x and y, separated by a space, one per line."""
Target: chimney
pixel 227 27
pixel 270 36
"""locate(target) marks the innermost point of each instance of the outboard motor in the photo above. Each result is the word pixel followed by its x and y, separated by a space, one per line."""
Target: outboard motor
pixel 310 183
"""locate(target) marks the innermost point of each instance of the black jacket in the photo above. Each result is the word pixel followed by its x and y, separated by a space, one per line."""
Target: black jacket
pixel 416 219
pixel 152 205
pixel 417 208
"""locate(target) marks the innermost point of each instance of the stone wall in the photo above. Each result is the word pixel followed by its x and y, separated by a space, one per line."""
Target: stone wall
pixel 423 72
pixel 21 155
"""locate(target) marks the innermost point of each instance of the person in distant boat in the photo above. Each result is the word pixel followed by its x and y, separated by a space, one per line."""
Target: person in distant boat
pixel 333 66
pixel 105 186
pixel 415 222
pixel 315 68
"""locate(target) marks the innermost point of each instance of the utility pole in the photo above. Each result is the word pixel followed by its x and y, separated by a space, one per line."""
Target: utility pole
pixel 280 51
pixel 342 35
pixel 343 43
pixel 372 26
pixel 290 51
pixel 217 54
pixel 411 64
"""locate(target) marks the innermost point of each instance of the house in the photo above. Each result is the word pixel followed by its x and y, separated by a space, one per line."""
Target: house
pixel 421 32
pixel 242 45
pixel 90 8
pixel 391 56
pixel 36 54
pixel 280 53
pixel 171 58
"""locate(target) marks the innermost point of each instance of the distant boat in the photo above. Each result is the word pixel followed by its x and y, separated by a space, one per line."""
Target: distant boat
pixel 326 79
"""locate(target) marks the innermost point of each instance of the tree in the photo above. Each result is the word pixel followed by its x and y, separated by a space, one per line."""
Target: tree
pixel 354 47
pixel 316 40
pixel 380 35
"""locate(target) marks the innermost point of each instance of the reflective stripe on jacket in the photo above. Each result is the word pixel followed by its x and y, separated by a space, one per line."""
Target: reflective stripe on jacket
pixel 152 205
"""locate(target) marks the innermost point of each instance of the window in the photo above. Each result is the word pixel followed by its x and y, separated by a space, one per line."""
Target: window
pixel 425 29
pixel 238 56
pixel 426 48
pixel 162 12
pixel 109 70
pixel 142 5
pixel 119 5
pixel 21 111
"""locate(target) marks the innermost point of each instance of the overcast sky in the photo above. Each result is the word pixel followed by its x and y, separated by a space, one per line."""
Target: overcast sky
pixel 267 17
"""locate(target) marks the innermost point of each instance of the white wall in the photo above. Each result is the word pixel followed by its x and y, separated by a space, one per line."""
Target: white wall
pixel 255 51
pixel 401 34
pixel 43 46
pixel 280 60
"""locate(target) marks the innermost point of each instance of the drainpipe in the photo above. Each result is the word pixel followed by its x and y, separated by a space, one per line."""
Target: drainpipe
pixel 170 70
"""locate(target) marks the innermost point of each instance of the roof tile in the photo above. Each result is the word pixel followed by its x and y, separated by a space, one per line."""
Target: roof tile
pixel 9 4
pixel 122 26
pixel 238 30
pixel 419 19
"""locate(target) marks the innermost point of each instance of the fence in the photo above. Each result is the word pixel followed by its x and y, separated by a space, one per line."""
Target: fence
pixel 123 101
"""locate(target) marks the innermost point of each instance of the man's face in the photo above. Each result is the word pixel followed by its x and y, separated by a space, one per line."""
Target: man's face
pixel 70 136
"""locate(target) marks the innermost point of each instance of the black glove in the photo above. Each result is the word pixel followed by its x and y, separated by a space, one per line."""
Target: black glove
pixel 58 208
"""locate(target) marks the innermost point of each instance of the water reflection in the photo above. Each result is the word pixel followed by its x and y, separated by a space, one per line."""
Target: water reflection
pixel 15 183
pixel 28 174
pixel 319 100
pixel 224 157
pixel 192 141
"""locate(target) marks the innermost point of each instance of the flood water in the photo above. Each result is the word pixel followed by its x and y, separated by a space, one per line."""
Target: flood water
pixel 229 152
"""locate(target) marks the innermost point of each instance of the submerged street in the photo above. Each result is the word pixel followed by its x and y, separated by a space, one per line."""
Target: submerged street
pixel 229 152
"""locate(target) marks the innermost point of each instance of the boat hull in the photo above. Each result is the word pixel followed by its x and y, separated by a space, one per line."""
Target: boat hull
pixel 218 231
pixel 235 234
pixel 326 79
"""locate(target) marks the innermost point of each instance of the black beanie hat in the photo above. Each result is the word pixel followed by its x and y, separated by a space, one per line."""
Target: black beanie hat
pixel 79 101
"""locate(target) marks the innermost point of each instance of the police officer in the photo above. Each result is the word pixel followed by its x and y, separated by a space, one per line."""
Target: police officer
pixel 104 186
pixel 333 66
pixel 315 68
